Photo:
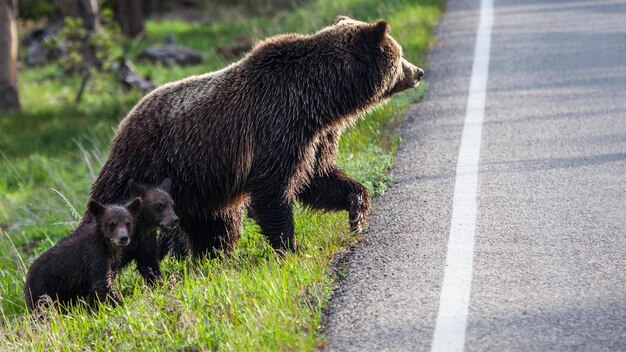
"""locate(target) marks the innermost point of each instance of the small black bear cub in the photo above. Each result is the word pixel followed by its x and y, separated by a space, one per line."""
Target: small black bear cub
pixel 83 264
pixel 157 211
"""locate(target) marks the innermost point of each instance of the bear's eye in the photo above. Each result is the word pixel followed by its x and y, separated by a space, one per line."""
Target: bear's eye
pixel 112 226
pixel 128 225
pixel 160 206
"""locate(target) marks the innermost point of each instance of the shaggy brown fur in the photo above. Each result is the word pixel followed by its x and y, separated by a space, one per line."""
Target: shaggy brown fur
pixel 261 131
pixel 83 264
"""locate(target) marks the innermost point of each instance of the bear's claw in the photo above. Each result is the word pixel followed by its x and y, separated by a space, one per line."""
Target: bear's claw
pixel 359 210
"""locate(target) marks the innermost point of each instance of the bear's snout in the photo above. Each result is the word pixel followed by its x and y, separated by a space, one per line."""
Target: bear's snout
pixel 171 222
pixel 419 73
pixel 122 239
pixel 409 78
pixel 412 73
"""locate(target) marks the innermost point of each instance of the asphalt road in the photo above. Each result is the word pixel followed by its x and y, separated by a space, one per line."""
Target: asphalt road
pixel 549 257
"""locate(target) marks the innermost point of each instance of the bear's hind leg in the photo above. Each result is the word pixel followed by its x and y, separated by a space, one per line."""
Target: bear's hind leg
pixel 218 233
pixel 275 217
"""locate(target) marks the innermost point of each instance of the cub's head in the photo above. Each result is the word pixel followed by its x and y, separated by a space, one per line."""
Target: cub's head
pixel 116 222
pixel 158 205
pixel 375 56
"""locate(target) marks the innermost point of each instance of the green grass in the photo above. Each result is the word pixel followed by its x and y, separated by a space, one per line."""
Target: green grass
pixel 51 152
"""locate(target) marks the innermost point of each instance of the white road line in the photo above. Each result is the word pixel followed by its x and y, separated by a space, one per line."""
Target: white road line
pixel 449 335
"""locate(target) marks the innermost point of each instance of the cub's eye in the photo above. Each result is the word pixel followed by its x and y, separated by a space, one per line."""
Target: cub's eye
pixel 112 226
pixel 160 206
pixel 128 225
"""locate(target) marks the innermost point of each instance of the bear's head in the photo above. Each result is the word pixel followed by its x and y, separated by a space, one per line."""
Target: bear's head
pixel 158 205
pixel 376 56
pixel 116 222
pixel 340 71
pixel 325 79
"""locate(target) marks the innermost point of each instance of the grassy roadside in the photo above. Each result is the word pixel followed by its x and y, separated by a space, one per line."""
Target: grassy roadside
pixel 51 152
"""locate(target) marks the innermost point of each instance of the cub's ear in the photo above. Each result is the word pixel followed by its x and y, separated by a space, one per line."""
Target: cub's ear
pixel 376 31
pixel 134 206
pixel 341 18
pixel 135 188
pixel 166 185
pixel 95 208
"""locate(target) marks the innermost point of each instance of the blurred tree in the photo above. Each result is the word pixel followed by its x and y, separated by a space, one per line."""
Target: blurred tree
pixel 9 99
pixel 130 16
pixel 83 13
pixel 86 10
pixel 88 53
pixel 37 9
pixel 149 7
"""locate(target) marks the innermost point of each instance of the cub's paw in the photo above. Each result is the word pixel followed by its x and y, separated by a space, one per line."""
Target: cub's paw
pixel 359 210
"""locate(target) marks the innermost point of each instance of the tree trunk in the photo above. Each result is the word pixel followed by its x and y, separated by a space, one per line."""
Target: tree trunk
pixel 149 7
pixel 87 10
pixel 129 14
pixel 9 99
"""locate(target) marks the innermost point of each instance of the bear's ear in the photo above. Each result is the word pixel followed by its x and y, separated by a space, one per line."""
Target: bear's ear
pixel 134 207
pixel 166 185
pixel 341 18
pixel 135 188
pixel 95 208
pixel 376 31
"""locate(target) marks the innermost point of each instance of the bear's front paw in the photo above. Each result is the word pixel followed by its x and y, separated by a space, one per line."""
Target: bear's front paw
pixel 359 210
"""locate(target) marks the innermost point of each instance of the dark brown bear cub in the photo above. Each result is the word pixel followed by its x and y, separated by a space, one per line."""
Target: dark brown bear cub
pixel 262 132
pixel 157 211
pixel 83 264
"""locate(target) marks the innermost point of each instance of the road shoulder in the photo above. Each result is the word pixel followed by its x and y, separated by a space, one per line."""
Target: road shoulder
pixel 388 298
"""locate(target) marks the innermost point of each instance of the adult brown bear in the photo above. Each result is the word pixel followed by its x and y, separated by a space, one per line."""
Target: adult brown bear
pixel 261 132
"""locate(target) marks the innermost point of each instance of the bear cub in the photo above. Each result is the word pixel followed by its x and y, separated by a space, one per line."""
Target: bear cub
pixel 83 264
pixel 157 211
